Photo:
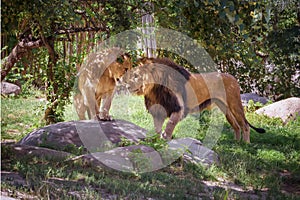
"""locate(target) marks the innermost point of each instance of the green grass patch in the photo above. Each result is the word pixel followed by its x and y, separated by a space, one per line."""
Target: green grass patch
pixel 20 115
pixel 270 162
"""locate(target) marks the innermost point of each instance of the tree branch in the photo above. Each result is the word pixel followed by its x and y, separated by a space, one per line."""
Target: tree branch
pixel 77 30
pixel 27 44
pixel 21 49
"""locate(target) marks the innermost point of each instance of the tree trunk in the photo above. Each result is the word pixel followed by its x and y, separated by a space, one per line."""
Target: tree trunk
pixel 17 53
pixel 52 98
pixel 149 44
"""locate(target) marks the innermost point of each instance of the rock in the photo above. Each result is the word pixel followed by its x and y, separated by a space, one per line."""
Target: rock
pixel 13 178
pixel 252 96
pixel 135 158
pixel 100 141
pixel 6 198
pixel 93 135
pixel 24 150
pixel 9 88
pixel 141 158
pixel 286 110
pixel 194 151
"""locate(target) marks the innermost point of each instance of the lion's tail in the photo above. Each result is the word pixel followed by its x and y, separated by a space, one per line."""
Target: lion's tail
pixel 259 130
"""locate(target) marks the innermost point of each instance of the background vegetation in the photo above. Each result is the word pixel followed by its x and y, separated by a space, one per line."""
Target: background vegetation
pixel 44 42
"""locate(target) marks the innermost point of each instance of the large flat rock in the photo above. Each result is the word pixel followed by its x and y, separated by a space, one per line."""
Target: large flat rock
pixel 88 133
pixel 286 110
pixel 101 146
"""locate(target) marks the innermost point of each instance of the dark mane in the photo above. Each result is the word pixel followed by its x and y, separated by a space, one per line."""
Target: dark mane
pixel 165 61
pixel 162 95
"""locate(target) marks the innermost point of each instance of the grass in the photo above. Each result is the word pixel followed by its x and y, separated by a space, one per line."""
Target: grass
pixel 270 163
pixel 20 116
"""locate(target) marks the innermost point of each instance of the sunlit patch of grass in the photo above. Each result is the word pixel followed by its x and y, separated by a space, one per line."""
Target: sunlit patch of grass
pixel 257 165
pixel 20 115
pixel 61 178
pixel 131 108
pixel 253 165
pixel 70 113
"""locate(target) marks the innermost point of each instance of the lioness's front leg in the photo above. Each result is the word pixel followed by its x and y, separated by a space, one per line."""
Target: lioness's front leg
pixel 89 100
pixel 79 106
pixel 105 107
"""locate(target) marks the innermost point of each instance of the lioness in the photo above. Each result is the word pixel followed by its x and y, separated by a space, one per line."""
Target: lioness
pixel 97 81
pixel 171 91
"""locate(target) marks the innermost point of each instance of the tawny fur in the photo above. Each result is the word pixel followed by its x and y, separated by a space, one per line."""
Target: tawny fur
pixel 171 91
pixel 96 87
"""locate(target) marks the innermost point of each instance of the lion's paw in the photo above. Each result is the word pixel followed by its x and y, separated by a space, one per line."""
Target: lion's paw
pixel 165 136
pixel 104 117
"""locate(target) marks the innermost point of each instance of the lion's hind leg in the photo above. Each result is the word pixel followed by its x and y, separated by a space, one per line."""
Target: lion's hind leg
pixel 80 106
pixel 246 132
pixel 230 118
pixel 240 118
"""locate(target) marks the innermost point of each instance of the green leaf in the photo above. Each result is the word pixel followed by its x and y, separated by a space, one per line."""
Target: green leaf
pixel 267 15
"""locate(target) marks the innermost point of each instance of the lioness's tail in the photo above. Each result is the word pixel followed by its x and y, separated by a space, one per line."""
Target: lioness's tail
pixel 259 130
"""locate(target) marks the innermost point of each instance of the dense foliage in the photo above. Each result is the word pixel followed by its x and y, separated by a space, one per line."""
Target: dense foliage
pixel 64 32
pixel 256 41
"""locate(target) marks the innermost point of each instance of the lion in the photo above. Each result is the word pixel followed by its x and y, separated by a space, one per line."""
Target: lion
pixel 171 91
pixel 97 82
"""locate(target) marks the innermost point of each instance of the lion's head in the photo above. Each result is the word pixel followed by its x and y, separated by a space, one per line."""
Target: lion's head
pixel 118 68
pixel 141 79
pixel 154 71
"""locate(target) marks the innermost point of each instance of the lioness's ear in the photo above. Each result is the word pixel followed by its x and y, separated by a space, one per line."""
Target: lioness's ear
pixel 120 60
pixel 126 55
pixel 123 57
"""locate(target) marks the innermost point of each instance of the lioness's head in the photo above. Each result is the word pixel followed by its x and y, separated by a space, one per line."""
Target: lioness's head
pixel 118 68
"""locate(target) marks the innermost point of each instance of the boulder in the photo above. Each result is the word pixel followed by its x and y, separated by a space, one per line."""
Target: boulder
pixel 90 134
pixel 141 158
pixel 245 98
pixel 194 151
pixel 134 158
pixel 9 88
pixel 101 140
pixel 286 110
